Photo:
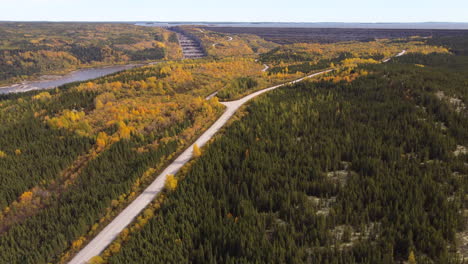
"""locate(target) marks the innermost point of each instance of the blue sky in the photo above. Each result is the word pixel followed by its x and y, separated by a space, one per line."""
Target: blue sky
pixel 237 10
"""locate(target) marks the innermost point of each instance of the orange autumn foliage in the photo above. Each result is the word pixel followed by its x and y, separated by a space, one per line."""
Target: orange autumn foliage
pixel 26 197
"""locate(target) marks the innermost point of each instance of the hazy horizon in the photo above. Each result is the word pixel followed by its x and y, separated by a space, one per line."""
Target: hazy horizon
pixel 360 11
pixel 234 22
pixel 357 25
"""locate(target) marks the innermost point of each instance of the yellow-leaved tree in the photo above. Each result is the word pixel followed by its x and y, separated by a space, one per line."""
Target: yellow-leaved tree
pixel 124 131
pixel 196 151
pixel 101 140
pixel 96 260
pixel 26 197
pixel 411 258
pixel 171 182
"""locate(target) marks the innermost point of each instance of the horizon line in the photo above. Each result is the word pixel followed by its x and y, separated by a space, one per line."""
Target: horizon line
pixel 235 22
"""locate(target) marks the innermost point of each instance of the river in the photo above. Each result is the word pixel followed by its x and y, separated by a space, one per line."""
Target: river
pixel 49 82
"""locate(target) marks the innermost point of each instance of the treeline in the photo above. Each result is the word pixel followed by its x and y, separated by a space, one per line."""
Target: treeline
pixel 111 135
pixel 237 86
pixel 88 54
pixel 30 49
pixel 283 54
pixel 456 61
pixel 323 172
pixel 33 153
pixel 307 67
pixel 220 45
pixel 43 237
pixel 457 44
pixel 16 64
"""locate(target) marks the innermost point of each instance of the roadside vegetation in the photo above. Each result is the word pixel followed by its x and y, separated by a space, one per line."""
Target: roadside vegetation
pixel 106 140
pixel 334 170
pixel 306 57
pixel 292 61
pixel 121 130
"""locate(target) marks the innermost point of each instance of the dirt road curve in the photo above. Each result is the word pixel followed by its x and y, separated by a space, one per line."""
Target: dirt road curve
pixel 398 55
pixel 211 95
pixel 113 229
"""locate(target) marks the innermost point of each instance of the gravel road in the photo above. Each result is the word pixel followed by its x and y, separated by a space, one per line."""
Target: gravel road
pixel 113 229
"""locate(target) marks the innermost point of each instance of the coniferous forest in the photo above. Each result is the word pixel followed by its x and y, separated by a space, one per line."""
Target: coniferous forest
pixel 326 172
pixel 365 164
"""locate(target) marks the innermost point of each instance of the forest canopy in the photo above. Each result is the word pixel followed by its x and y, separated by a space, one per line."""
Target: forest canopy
pixel 364 164
pixel 31 49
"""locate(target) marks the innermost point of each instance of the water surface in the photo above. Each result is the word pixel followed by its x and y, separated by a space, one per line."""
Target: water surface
pixel 79 75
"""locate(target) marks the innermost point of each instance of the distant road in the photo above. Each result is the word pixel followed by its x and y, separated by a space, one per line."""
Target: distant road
pixel 401 53
pixel 214 44
pixel 113 229
pixel 398 55
pixel 211 95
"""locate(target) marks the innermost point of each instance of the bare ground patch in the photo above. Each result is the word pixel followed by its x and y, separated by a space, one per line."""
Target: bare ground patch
pixel 461 150
pixel 455 102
